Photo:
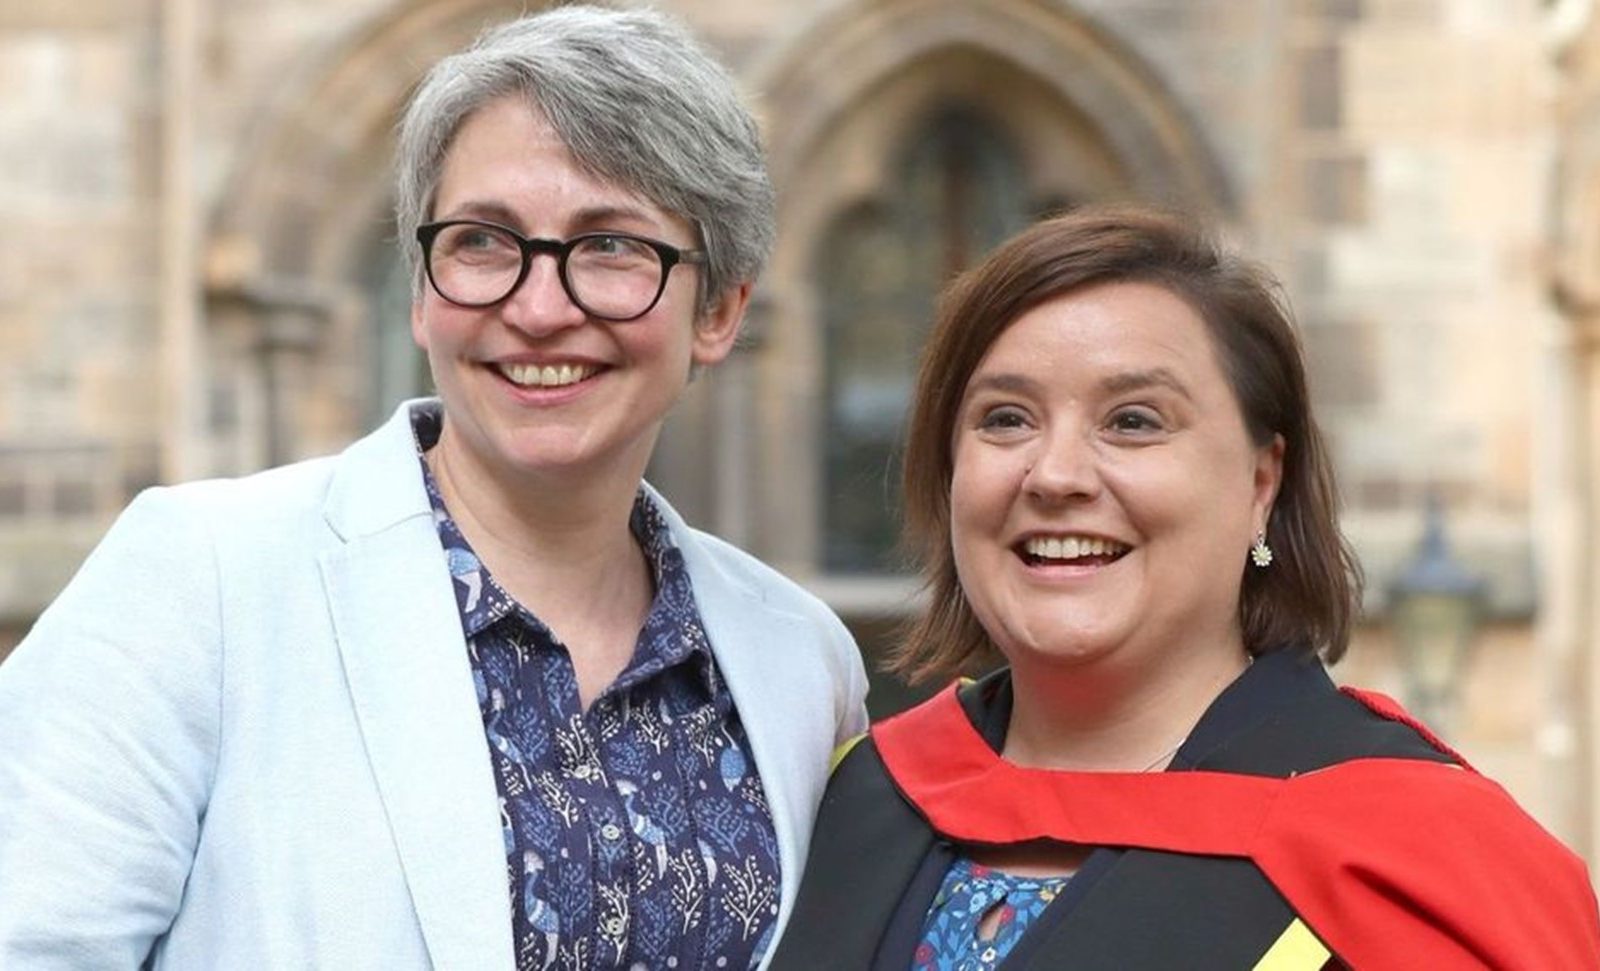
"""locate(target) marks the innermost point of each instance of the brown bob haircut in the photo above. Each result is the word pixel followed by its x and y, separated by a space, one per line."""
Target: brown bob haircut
pixel 1307 599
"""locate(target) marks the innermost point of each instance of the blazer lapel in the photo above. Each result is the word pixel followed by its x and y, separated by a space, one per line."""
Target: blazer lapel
pixel 769 659
pixel 751 647
pixel 404 655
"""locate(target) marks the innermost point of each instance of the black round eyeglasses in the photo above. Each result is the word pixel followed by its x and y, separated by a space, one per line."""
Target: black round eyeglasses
pixel 612 276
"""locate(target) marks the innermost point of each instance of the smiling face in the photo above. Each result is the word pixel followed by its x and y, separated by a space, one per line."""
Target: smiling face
pixel 1105 490
pixel 532 385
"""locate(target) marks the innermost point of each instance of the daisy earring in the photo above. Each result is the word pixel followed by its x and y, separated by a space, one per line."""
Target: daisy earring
pixel 1260 552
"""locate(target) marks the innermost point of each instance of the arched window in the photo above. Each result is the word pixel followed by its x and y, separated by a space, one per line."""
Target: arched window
pixel 957 188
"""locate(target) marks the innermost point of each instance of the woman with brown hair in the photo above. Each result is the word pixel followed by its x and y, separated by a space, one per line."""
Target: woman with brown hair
pixel 1115 484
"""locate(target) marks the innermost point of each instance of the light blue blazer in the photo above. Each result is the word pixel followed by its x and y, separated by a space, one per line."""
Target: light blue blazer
pixel 246 735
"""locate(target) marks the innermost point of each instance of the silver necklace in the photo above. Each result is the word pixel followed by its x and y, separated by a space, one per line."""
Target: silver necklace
pixel 1169 753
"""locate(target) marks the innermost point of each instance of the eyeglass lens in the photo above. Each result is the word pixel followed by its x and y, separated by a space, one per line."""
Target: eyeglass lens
pixel 608 276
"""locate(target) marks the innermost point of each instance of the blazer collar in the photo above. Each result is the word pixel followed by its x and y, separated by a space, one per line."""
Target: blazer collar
pixel 376 483
pixel 404 655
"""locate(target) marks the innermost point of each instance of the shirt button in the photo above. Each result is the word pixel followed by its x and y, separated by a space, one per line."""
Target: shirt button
pixel 614 926
pixel 582 771
pixel 610 831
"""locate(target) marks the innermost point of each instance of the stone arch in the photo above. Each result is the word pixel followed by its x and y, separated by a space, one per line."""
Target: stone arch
pixel 1092 119
pixel 298 226
pixel 849 50
pixel 320 151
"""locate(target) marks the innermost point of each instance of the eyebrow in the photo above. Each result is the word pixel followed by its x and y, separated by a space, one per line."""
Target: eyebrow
pixel 494 212
pixel 498 212
pixel 1135 380
pixel 1119 383
pixel 604 214
pixel 1003 381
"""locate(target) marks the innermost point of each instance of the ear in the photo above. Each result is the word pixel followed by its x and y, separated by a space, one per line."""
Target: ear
pixel 718 328
pixel 419 333
pixel 1268 478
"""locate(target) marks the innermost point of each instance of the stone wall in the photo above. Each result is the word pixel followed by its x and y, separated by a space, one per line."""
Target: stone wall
pixel 1392 160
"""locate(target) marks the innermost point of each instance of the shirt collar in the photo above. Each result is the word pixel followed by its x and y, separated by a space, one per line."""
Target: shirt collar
pixel 672 632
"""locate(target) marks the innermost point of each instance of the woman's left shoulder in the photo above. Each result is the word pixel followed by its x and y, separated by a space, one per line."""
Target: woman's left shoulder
pixel 1438 856
pixel 1420 809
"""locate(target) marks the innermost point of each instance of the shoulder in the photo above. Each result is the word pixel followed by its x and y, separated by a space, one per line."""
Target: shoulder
pixel 1286 716
pixel 297 487
pixel 275 509
pixel 1409 787
pixel 717 567
pixel 708 554
pixel 1436 859
pixel 859 785
pixel 1396 800
pixel 1366 724
pixel 715 561
pixel 190 513
pixel 169 549
pixel 770 627
pixel 374 482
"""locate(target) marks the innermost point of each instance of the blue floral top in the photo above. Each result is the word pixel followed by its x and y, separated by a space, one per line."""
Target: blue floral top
pixel 951 940
pixel 637 834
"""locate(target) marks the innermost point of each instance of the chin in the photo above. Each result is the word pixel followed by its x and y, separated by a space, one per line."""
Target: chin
pixel 1062 657
pixel 550 460
pixel 529 451
pixel 1061 650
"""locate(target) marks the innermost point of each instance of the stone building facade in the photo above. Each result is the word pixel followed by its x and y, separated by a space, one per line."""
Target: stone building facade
pixel 198 275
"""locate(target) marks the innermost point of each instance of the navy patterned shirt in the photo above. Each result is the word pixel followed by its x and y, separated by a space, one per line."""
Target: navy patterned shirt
pixel 637 833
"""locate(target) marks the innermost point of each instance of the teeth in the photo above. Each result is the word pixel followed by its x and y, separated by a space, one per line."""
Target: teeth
pixel 1071 547
pixel 549 376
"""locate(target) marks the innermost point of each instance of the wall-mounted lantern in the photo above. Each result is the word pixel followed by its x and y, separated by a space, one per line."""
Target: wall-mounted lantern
pixel 1436 607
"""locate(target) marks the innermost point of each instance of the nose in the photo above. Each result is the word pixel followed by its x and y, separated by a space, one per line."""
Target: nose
pixel 540 305
pixel 1062 468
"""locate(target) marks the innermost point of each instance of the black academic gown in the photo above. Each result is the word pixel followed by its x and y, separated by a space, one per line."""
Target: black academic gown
pixel 875 863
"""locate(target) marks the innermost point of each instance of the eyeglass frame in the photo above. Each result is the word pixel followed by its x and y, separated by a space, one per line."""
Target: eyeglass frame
pixel 669 255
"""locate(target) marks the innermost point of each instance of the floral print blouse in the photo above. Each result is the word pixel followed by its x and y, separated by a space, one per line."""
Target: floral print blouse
pixel 637 833
pixel 951 939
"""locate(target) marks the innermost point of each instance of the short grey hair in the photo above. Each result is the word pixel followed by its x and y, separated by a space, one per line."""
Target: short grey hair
pixel 638 102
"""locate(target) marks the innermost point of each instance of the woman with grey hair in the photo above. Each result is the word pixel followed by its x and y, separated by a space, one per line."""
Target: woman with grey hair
pixel 471 694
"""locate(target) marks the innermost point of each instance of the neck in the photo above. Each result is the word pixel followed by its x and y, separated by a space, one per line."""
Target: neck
pixel 1115 720
pixel 564 539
